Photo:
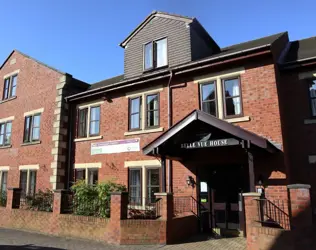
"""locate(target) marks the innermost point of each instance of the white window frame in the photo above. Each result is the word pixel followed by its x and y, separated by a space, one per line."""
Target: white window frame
pixel 86 167
pixel 9 76
pixel 29 168
pixel 89 106
pixel 143 165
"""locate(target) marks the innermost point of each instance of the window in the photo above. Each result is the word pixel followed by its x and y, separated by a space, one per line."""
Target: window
pixel 312 96
pixel 135 113
pixel 3 181
pixel 232 97
pixel 90 175
pixel 28 181
pixel 208 98
pixel 5 133
pixel 153 183
pixel 152 110
pixel 155 54
pixel 32 128
pixel 144 182
pixel 135 186
pixel 89 121
pixel 9 89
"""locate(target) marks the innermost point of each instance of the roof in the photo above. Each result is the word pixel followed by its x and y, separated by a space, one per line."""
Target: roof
pixel 107 82
pixel 267 40
pixel 151 16
pixel 225 52
pixel 299 50
pixel 198 115
pixel 25 55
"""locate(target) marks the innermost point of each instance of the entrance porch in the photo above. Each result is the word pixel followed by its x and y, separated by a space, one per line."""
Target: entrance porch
pixel 224 161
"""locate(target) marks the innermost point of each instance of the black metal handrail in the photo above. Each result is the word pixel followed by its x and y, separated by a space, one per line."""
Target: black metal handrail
pixel 186 204
pixel 272 215
pixel 144 208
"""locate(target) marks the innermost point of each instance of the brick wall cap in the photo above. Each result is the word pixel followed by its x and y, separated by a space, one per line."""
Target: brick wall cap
pixel 298 186
pixel 119 193
pixel 61 191
pixel 14 189
pixel 163 194
pixel 253 194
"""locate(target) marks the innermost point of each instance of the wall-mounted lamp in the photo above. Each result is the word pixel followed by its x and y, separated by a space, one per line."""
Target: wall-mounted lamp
pixel 190 181
pixel 260 188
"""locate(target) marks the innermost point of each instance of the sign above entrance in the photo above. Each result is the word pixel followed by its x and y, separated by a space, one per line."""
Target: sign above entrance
pixel 210 143
pixel 119 146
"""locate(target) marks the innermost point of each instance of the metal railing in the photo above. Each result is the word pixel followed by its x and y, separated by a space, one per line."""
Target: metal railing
pixel 37 202
pixel 144 208
pixel 272 214
pixel 186 204
pixel 3 199
pixel 86 206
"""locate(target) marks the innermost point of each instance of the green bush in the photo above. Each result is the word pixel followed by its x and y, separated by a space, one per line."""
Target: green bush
pixel 3 199
pixel 41 201
pixel 94 200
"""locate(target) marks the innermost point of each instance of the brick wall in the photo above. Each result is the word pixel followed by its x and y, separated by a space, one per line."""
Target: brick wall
pixel 260 103
pixel 36 88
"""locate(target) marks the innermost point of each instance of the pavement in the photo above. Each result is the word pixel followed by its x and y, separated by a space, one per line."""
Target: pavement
pixel 22 240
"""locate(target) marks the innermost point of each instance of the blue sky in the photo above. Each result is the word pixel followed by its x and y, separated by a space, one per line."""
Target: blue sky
pixel 81 37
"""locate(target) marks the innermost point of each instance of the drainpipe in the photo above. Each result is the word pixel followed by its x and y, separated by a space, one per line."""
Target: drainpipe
pixel 70 143
pixel 169 125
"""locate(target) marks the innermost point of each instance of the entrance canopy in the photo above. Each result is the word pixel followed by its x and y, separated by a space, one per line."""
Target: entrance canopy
pixel 201 130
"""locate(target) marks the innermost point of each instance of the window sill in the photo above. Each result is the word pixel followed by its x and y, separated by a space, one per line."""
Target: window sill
pixel 238 119
pixel 31 143
pixel 88 138
pixel 310 121
pixel 144 131
pixel 7 146
pixel 7 100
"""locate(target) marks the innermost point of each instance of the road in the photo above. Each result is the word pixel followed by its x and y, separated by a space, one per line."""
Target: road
pixel 22 240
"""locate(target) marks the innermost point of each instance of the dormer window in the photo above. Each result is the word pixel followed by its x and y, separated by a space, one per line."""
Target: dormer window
pixel 155 54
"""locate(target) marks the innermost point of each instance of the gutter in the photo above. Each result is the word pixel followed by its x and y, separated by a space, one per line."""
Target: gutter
pixel 180 69
pixel 295 64
pixel 170 187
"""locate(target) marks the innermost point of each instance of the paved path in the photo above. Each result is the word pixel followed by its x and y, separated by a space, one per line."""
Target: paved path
pixel 21 240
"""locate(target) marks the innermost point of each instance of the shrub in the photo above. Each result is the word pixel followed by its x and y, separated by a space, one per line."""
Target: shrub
pixel 94 200
pixel 3 199
pixel 41 201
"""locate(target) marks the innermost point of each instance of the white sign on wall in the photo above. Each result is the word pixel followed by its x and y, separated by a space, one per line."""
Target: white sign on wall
pixel 118 146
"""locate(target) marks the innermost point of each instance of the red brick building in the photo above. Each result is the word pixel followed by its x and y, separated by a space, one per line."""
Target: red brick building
pixel 186 117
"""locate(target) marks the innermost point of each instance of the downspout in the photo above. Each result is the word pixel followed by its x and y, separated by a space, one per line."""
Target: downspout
pixel 70 141
pixel 170 189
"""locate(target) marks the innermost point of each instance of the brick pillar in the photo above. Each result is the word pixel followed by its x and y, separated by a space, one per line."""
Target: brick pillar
pixel 119 203
pixel 300 205
pixel 251 219
pixel 165 205
pixel 58 197
pixel 13 198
